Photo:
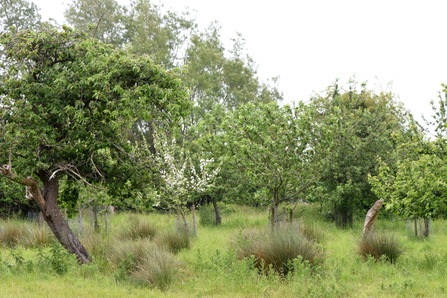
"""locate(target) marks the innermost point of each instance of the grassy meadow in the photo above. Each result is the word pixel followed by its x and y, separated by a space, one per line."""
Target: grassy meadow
pixel 145 256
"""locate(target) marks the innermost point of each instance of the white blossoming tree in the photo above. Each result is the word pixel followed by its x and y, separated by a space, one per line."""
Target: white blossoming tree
pixel 185 174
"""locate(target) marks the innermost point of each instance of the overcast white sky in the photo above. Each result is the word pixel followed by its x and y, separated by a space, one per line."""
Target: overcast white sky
pixel 310 43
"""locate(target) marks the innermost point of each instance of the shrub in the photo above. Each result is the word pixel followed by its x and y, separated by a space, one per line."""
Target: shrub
pixel 380 246
pixel 57 259
pixel 175 241
pixel 277 249
pixel 137 228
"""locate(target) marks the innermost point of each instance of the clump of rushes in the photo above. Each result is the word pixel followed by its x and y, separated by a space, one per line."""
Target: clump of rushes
pixel 11 233
pixel 143 262
pixel 174 241
pixel 380 246
pixel 277 249
pixel 137 228
pixel 36 236
pixel 156 268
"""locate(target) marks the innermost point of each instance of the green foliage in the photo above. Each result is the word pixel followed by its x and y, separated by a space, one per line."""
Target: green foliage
pixel 56 259
pixel 103 20
pixel 417 187
pixel 380 246
pixel 12 199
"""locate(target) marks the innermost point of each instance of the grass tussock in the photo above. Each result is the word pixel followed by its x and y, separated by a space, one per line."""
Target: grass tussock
pixel 380 246
pixel 11 233
pixel 156 268
pixel 137 228
pixel 174 241
pixel 277 249
pixel 142 262
pixel 37 236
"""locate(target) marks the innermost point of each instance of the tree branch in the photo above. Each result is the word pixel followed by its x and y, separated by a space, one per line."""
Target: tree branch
pixel 32 186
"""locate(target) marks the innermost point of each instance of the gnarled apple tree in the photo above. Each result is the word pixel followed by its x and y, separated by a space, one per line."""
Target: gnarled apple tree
pixel 67 102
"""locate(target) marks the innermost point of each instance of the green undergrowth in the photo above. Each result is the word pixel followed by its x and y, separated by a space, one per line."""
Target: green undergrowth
pixel 209 266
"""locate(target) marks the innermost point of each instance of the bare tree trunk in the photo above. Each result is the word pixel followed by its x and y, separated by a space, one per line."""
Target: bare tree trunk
pixel 46 200
pixel 371 217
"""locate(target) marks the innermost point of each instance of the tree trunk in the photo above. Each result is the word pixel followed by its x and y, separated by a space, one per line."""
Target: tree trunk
pixel 55 220
pixel 426 227
pixel 217 212
pixel 95 218
pixel 46 200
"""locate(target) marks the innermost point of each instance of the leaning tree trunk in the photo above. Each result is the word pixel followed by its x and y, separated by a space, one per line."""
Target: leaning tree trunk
pixel 46 200
pixel 54 218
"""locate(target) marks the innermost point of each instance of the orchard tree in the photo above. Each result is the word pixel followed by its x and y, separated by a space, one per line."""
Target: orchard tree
pixel 184 174
pixel 356 126
pixel 68 102
pixel 270 146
